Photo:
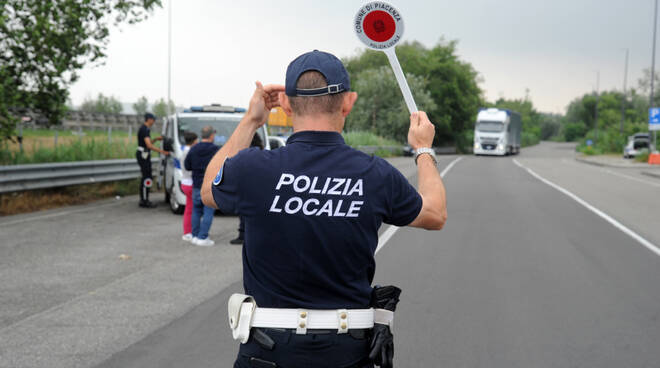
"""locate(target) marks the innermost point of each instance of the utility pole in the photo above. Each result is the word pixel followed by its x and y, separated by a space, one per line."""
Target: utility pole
pixel 597 102
pixel 169 55
pixel 624 97
pixel 655 28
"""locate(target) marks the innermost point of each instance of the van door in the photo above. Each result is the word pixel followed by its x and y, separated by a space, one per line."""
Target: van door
pixel 168 161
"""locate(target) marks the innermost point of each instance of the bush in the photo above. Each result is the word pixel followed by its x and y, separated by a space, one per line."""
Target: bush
pixel 643 156
pixel 529 139
pixel 574 131
pixel 465 140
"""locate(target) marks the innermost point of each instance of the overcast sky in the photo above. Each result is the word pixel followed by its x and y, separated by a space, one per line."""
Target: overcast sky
pixel 221 47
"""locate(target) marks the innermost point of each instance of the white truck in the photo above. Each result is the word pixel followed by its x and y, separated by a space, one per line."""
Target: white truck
pixel 497 132
pixel 224 119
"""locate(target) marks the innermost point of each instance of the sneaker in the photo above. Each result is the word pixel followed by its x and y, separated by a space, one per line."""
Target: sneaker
pixel 204 242
pixel 187 237
pixel 237 241
pixel 148 205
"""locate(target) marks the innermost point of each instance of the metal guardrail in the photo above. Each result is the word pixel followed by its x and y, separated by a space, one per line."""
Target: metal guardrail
pixel 16 178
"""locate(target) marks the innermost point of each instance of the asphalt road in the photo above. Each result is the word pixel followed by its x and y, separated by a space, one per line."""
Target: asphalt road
pixel 522 276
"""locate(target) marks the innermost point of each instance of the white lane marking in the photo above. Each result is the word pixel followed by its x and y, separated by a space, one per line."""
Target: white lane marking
pixel 387 234
pixel 652 247
pixel 58 214
pixel 619 174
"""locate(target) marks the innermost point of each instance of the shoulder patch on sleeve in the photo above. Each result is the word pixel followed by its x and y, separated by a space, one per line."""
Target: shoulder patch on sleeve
pixel 218 177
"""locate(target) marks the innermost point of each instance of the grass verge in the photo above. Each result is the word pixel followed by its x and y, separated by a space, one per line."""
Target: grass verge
pixel 360 138
pixel 38 200
pixel 40 146
pixel 643 157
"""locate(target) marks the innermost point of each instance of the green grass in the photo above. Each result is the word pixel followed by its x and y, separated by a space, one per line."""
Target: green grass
pixel 44 133
pixel 359 138
pixel 76 150
pixel 39 146
pixel 590 150
pixel 643 157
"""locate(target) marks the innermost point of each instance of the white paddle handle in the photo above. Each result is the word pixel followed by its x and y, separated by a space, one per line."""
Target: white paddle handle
pixel 398 73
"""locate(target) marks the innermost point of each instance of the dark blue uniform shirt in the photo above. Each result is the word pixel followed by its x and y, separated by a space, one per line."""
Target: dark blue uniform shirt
pixel 143 132
pixel 198 159
pixel 312 211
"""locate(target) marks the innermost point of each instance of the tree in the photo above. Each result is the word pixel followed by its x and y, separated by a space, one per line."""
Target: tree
pixel 380 107
pixel 550 126
pixel 102 105
pixel 141 105
pixel 452 84
pixel 644 83
pixel 161 108
pixel 531 119
pixel 578 123
pixel 45 43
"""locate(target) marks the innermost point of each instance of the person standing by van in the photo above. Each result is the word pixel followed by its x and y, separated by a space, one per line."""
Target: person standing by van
pixel 143 155
pixel 187 187
pixel 196 161
pixel 256 142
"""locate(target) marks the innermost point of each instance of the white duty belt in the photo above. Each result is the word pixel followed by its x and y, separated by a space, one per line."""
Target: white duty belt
pixel 244 314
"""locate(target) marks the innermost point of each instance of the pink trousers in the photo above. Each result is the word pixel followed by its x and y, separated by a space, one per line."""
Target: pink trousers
pixel 187 213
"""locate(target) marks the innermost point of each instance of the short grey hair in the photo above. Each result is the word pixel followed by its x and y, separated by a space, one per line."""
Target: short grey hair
pixel 207 132
pixel 311 105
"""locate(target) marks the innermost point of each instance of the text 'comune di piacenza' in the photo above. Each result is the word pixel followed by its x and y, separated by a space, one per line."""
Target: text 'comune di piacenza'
pixel 329 196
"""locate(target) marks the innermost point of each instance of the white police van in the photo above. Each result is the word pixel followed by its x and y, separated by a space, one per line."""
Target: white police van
pixel 224 119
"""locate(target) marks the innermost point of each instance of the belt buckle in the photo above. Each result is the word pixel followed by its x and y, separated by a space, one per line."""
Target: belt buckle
pixel 301 328
pixel 342 321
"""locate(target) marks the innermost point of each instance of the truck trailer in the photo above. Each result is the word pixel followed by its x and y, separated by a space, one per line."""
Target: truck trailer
pixel 497 132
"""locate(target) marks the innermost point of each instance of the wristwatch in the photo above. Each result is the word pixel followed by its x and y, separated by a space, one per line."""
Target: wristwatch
pixel 423 150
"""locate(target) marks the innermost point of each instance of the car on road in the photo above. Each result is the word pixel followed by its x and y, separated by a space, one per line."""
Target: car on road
pixel 636 144
pixel 224 119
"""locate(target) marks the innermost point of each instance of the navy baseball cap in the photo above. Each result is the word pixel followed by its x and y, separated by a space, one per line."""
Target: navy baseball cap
pixel 327 64
pixel 148 116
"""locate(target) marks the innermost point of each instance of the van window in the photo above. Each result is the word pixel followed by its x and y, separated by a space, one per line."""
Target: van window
pixel 224 126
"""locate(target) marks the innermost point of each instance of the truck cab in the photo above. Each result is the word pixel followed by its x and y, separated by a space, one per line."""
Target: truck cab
pixel 224 119
pixel 497 132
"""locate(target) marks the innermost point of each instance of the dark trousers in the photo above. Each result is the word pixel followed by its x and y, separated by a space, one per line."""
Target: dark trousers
pixel 329 350
pixel 145 168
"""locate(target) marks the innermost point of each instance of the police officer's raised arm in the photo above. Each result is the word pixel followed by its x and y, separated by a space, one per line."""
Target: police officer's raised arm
pixel 150 145
pixel 263 100
pixel 434 203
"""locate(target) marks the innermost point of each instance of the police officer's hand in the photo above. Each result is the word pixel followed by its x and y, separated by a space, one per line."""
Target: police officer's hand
pixel 263 100
pixel 421 131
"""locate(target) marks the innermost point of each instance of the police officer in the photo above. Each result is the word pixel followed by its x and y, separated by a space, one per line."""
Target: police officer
pixel 143 154
pixel 312 210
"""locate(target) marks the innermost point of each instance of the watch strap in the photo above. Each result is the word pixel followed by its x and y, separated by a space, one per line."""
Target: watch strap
pixel 423 150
